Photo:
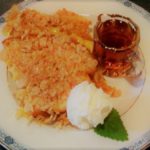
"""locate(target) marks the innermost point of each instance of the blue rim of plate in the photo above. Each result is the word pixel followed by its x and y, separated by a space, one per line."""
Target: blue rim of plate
pixel 10 143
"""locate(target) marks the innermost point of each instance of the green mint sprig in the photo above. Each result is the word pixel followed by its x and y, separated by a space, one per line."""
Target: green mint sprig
pixel 113 127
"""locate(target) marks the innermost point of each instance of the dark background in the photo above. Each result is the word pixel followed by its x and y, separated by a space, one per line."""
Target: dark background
pixel 7 4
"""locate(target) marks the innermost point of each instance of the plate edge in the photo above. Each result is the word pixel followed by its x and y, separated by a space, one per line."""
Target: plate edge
pixel 136 144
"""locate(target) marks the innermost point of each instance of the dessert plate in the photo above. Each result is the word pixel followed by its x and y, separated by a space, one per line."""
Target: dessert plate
pixel 20 134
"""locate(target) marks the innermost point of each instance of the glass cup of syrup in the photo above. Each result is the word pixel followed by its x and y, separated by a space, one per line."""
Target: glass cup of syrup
pixel 116 46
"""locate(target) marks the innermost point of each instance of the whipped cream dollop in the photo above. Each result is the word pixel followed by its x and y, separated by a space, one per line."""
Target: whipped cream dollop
pixel 87 106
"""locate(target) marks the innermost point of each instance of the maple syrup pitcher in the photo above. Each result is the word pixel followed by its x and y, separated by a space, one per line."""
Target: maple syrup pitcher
pixel 116 46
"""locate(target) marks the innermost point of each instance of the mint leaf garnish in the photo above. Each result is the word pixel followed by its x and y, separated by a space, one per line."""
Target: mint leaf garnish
pixel 113 127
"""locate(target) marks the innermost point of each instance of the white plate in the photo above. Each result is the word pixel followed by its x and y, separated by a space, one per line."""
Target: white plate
pixel 136 120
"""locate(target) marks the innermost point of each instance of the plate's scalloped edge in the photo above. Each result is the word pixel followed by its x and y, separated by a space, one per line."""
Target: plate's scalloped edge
pixel 9 143
pixel 136 7
pixel 139 143
pixel 126 3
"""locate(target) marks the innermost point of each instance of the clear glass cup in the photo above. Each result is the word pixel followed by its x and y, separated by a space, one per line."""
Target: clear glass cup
pixel 116 46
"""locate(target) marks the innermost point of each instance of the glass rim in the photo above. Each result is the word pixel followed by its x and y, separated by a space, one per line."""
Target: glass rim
pixel 129 21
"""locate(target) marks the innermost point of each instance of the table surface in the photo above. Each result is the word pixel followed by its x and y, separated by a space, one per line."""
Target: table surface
pixel 7 4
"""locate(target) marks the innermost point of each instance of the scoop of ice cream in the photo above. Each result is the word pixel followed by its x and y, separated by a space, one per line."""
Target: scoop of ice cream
pixel 87 106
